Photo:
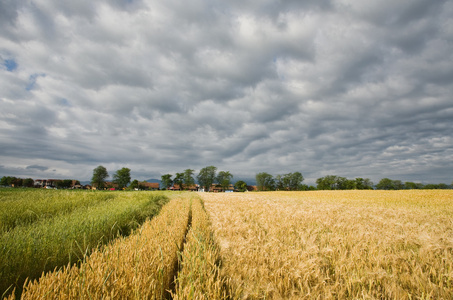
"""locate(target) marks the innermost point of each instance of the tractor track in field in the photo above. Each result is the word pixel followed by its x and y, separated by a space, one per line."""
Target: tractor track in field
pixel 178 264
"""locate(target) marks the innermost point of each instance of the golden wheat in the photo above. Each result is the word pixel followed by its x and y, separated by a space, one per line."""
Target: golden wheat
pixel 335 244
pixel 199 275
pixel 141 266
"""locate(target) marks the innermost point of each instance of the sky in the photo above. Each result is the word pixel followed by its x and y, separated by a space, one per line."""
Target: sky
pixel 354 88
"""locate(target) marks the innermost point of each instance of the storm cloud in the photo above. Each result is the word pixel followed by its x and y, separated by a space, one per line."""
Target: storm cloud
pixel 348 87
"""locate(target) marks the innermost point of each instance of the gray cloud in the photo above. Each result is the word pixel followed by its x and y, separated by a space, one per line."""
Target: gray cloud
pixel 323 87
pixel 37 167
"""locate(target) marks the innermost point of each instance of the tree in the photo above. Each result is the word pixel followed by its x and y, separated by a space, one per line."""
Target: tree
pixel 99 175
pixel 28 182
pixel 385 184
pixel 134 184
pixel 363 184
pixel 224 178
pixel 328 182
pixel 179 180
pixel 265 181
pixel 295 181
pixel 188 178
pixel 166 181
pixel 122 177
pixel 206 177
pixel 241 186
pixel 279 182
pixel 64 184
pixel 289 182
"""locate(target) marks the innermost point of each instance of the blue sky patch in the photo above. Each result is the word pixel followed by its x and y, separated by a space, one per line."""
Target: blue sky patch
pixel 10 64
pixel 32 81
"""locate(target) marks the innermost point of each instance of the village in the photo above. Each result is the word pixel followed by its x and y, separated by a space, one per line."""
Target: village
pixel 8 181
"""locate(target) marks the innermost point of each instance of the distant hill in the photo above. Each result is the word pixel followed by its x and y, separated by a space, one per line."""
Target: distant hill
pixel 153 180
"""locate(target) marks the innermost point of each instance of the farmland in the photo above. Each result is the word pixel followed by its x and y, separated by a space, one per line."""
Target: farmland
pixel 42 230
pixel 336 244
pixel 266 245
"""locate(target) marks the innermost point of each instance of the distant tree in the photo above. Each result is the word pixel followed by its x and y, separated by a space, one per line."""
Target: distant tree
pixel 28 182
pixel 433 186
pixel 442 186
pixel 328 182
pixel 408 185
pixel 385 184
pixel 134 184
pixel 224 179
pixel 122 177
pixel 398 185
pixel 100 174
pixel 341 183
pixel 166 181
pixel 279 182
pixel 265 181
pixel 4 181
pixel 363 184
pixel 206 177
pixel 179 180
pixel 64 184
pixel 295 181
pixel 188 178
pixel 289 182
pixel 241 186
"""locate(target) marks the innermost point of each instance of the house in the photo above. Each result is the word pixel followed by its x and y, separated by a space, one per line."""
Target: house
pixel 193 187
pixel 108 185
pixel 149 185
pixel 217 188
pixel 252 188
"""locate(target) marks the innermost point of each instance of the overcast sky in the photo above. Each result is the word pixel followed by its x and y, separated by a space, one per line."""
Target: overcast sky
pixel 355 88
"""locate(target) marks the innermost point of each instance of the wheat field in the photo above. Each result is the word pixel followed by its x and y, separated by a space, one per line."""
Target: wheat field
pixel 335 244
pixel 273 245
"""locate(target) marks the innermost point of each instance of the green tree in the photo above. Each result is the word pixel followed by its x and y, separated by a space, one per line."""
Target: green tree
pixel 166 181
pixel 294 181
pixel 206 177
pixel 328 182
pixel 188 178
pixel 265 181
pixel 122 177
pixel 64 184
pixel 28 182
pixel 241 186
pixel 4 181
pixel 99 175
pixel 363 184
pixel 385 184
pixel 179 180
pixel 224 179
pixel 134 184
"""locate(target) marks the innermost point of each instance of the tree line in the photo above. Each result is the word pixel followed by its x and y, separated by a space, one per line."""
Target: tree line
pixel 208 177
pixel 29 182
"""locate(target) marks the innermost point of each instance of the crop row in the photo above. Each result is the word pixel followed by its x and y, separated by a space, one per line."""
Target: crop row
pixel 26 251
pixel 140 266
pixel 172 256
pixel 199 275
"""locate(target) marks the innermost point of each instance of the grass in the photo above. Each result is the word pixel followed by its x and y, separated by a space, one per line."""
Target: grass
pixel 336 245
pixel 28 250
